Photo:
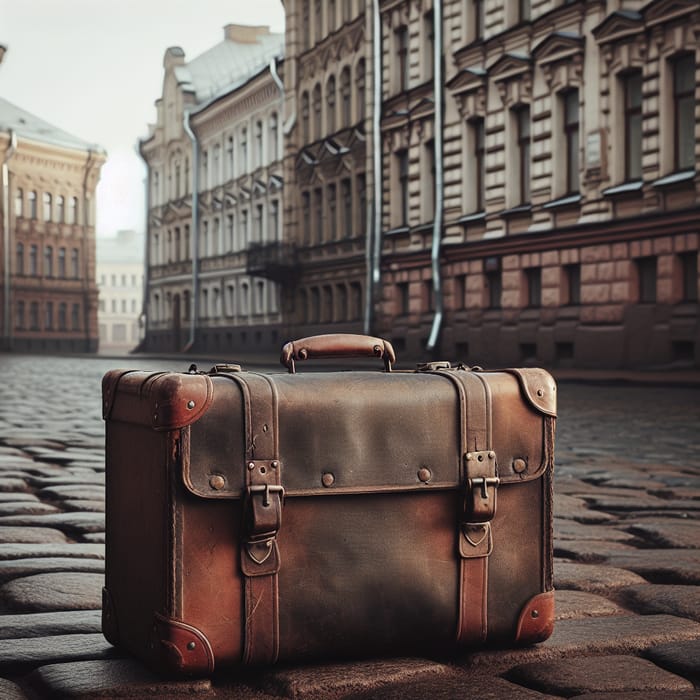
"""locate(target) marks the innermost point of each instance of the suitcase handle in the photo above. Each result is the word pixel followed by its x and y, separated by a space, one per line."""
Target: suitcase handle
pixel 337 345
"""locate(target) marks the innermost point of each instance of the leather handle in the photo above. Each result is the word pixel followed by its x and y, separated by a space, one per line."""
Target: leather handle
pixel 337 345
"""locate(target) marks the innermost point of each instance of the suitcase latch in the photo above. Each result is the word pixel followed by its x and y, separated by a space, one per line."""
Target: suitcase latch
pixel 263 521
pixel 482 483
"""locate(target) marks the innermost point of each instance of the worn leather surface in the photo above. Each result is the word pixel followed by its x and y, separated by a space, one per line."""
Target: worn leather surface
pixel 370 550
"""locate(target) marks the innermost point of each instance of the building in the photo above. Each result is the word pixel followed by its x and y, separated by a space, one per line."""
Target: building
pixel 328 167
pixel 537 163
pixel 215 180
pixel 48 298
pixel 120 284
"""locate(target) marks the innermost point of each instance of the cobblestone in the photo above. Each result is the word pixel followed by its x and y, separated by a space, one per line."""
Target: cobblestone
pixel 627 540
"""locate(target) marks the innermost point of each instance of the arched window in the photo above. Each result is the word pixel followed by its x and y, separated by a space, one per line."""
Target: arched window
pixel 62 263
pixel 48 261
pixel 274 136
pixel 361 94
pixel 19 203
pixel 60 209
pixel 46 200
pixel 32 205
pixel 73 211
pixel 317 111
pixel 20 259
pixel 330 104
pixel 346 115
pixel 258 143
pixel 305 132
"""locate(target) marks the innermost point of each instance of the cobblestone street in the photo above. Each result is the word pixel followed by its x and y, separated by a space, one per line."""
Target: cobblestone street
pixel 627 557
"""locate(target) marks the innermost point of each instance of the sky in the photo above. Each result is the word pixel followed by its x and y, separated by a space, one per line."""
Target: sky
pixel 95 69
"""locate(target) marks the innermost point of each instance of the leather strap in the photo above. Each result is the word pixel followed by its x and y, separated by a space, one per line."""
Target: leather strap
pixel 260 560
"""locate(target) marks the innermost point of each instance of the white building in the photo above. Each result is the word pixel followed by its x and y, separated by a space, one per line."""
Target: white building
pixel 120 283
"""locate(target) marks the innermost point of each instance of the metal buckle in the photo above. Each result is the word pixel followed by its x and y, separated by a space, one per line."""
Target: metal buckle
pixel 484 482
pixel 481 486
pixel 267 489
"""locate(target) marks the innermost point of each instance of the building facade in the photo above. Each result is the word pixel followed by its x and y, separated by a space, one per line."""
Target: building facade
pixel 215 179
pixel 549 210
pixel 120 285
pixel 328 173
pixel 48 297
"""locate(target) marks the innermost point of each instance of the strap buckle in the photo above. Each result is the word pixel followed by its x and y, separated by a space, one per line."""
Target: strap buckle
pixel 482 484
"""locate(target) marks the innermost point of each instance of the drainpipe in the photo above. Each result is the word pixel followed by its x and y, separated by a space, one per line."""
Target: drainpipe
pixel 439 176
pixel 374 229
pixel 89 163
pixel 6 325
pixel 194 235
pixel 142 344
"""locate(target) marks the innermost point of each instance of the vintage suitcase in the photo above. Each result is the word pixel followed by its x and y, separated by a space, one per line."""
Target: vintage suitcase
pixel 259 517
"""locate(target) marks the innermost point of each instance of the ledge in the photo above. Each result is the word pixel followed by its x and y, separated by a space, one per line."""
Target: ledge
pixel 471 218
pixel 679 178
pixel 569 200
pixel 516 211
pixel 632 187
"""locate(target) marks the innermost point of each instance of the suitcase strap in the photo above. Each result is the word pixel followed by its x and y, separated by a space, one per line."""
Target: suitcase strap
pixel 260 558
pixel 480 483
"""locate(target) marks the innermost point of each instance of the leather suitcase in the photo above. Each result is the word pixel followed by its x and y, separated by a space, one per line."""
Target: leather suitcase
pixel 255 518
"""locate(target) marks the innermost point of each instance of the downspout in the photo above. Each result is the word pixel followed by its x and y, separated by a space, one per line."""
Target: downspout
pixel 145 289
pixel 194 237
pixel 439 177
pixel 374 228
pixel 6 325
pixel 89 163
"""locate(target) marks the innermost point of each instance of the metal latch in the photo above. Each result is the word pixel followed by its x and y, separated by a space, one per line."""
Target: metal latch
pixel 432 366
pixel 482 484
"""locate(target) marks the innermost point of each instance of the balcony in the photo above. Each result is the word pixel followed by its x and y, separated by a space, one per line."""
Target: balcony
pixel 275 261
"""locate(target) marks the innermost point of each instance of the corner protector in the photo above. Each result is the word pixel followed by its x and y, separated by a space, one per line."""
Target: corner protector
pixel 536 619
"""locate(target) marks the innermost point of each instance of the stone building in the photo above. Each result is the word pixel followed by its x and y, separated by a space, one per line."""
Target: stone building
pixel 120 284
pixel 48 296
pixel 541 184
pixel 327 168
pixel 215 178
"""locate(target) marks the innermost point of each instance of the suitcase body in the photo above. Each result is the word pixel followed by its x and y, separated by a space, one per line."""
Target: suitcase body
pixel 254 517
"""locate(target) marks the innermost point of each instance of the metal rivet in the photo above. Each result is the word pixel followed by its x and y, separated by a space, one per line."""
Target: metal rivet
pixel 217 482
pixel 535 614
pixel 265 428
pixel 251 465
pixel 492 455
pixel 155 417
pixel 327 479
pixel 190 404
pixel 425 475
pixel 540 393
pixel 519 466
pixel 469 456
pixel 274 465
pixel 191 645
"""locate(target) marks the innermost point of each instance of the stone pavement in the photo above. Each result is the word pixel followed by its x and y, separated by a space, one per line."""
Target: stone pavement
pixel 627 548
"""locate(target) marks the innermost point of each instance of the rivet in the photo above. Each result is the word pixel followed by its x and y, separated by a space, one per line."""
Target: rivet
pixel 424 474
pixel 190 404
pixel 327 479
pixel 251 465
pixel 535 614
pixel 519 466
pixel 470 456
pixel 265 428
pixel 274 465
pixel 155 417
pixel 217 482
pixel 540 392
pixel 492 455
pixel 191 645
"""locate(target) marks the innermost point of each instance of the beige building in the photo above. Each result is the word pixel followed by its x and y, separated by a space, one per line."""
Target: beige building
pixel 120 283
pixel 218 135
pixel 48 297
pixel 554 215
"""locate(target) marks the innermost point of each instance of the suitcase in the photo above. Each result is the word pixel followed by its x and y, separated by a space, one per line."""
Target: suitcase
pixel 263 517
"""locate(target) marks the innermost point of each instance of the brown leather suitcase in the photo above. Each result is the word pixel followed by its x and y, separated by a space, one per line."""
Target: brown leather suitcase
pixel 259 517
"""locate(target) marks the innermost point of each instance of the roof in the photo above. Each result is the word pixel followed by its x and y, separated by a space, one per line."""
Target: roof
pixel 228 64
pixel 29 126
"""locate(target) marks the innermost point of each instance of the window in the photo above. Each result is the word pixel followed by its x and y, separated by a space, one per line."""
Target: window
pixel 274 223
pixel 689 274
pixel 177 180
pixel 73 210
pixel 258 143
pixel 244 229
pixel 260 297
pixel 216 175
pixel 317 111
pixel 572 285
pixel 362 195
pixel 32 205
pixel 330 105
pixel 571 140
pixel 331 14
pixel 632 83
pixel 244 150
pixel 346 194
pixel 19 203
pixel 478 19
pixel 62 263
pixel 355 301
pixel 74 260
pixel 229 157
pixel 533 277
pixel 306 217
pixel 230 233
pixel 684 111
pixel 345 116
pixel 402 166
pixel 361 95
pixel 428 183
pixel 75 317
pixel 347 10
pixel 401 43
pixel 258 223
pixel 19 259
pixel 477 129
pixel 428 45
pixel 33 260
pixel 48 317
pixel 524 10
pixel 62 316
pixel 48 261
pixel 306 24
pixel 274 137
pixel 19 316
pixel 205 169
pixel 34 316
pixel 403 298
pixel 332 213
pixel 459 291
pixel 646 274
pixel 428 296
pixel 60 209
pixel 318 20
pixel 318 211
pixel 305 132
pixel 522 133
pixel 494 288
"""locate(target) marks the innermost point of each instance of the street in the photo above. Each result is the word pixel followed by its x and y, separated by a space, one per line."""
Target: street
pixel 627 555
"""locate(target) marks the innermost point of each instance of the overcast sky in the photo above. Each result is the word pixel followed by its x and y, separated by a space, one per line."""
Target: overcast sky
pixel 95 68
